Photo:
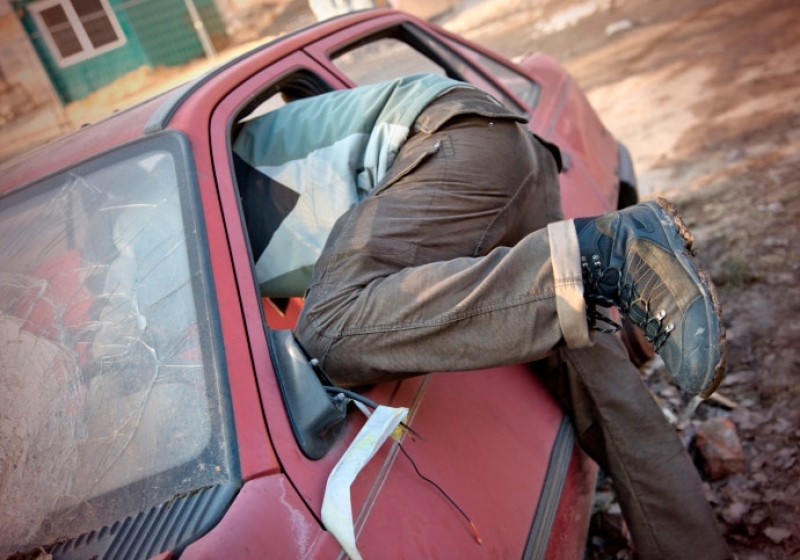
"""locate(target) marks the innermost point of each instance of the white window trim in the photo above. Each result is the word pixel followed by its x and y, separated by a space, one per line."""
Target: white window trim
pixel 89 51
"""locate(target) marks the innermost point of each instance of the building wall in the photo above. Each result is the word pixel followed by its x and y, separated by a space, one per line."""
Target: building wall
pixel 424 8
pixel 157 32
pixel 324 9
pixel 24 85
pixel 166 31
pixel 78 80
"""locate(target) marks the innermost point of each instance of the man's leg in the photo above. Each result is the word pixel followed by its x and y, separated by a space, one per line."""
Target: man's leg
pixel 619 425
pixel 439 271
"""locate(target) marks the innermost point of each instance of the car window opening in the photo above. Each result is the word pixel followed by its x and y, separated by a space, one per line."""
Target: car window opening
pixel 404 50
pixel 394 52
pixel 265 202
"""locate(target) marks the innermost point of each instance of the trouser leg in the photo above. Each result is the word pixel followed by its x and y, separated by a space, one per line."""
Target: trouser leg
pixel 440 271
pixel 619 425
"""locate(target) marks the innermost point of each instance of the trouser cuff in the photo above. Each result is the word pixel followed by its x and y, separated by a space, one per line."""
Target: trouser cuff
pixel 570 305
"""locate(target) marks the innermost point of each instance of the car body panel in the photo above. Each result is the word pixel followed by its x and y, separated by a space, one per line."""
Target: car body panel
pixel 227 197
pixel 576 500
pixel 249 530
pixel 119 129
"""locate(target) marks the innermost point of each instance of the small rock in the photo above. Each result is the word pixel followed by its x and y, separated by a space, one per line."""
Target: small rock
pixel 735 154
pixel 778 278
pixel 758 462
pixel 775 242
pixel 612 527
pixel 734 513
pixel 760 477
pixel 782 426
pixel 617 26
pixel 602 501
pixel 777 534
pixel 776 496
pixel 746 418
pixel 771 207
pixel 719 447
pixel 776 380
pixel 784 459
pixel 756 518
pixel 738 378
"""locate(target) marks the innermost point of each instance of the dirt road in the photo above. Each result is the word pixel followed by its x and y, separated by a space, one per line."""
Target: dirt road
pixel 706 94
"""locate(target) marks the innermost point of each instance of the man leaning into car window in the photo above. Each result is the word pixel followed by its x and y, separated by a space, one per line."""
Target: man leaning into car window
pixel 424 220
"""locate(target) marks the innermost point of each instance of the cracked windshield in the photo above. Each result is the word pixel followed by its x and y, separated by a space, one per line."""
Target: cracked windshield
pixel 107 379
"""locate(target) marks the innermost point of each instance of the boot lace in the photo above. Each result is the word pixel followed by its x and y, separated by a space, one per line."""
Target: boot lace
pixel 629 301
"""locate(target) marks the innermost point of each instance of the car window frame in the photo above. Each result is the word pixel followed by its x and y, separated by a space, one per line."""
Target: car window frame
pixel 471 51
pixel 221 127
pixel 328 48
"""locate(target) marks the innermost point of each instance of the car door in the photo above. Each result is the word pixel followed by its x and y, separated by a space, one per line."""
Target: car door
pixel 486 439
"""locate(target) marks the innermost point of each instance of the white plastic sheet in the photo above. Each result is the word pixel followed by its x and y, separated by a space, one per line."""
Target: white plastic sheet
pixel 337 513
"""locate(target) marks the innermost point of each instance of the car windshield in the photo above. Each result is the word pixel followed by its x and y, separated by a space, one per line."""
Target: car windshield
pixel 111 391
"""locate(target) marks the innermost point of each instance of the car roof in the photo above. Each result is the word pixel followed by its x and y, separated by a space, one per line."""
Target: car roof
pixel 155 114
pixel 80 145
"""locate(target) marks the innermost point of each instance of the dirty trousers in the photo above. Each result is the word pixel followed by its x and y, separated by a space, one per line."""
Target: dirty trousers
pixel 465 262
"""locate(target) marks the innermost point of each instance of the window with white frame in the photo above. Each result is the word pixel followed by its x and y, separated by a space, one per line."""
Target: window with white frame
pixel 76 30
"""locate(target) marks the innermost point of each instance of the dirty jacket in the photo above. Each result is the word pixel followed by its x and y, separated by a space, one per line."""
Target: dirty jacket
pixel 302 166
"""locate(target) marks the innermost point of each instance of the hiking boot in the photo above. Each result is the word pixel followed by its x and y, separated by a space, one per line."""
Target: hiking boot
pixel 640 260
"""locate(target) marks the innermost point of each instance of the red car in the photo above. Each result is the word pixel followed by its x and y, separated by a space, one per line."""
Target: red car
pixel 154 404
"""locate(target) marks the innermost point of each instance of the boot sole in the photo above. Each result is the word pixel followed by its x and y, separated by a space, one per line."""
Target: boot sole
pixel 687 250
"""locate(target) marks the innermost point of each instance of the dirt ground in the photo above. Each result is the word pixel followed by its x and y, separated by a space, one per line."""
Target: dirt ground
pixel 706 95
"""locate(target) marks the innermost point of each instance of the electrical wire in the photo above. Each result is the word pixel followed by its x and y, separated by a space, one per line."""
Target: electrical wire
pixel 472 526
pixel 372 404
pixel 352 395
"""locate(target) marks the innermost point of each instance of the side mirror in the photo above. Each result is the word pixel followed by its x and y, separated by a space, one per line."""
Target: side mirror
pixel 316 418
